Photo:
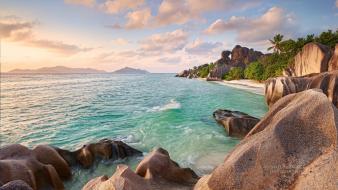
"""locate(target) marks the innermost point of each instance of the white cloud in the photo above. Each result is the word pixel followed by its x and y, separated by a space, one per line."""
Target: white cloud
pixel 117 6
pixel 15 29
pixel 120 41
pixel 138 18
pixel 170 60
pixel 168 42
pixel 200 47
pixel 87 3
pixel 254 30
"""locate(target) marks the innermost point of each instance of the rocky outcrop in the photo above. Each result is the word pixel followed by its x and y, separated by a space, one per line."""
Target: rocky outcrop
pixel 293 147
pixel 313 58
pixel 46 167
pixel 16 185
pixel 333 63
pixel 240 57
pixel 276 88
pixel 236 123
pixel 155 171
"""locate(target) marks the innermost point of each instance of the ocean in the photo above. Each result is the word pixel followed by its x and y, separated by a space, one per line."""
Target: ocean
pixel 144 111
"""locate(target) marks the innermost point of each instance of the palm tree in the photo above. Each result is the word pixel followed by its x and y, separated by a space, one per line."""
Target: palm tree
pixel 276 43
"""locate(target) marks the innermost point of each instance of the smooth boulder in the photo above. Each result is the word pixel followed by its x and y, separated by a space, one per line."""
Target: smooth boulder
pixel 236 123
pixel 36 168
pixel 155 171
pixel 294 146
pixel 276 88
pixel 333 63
pixel 313 58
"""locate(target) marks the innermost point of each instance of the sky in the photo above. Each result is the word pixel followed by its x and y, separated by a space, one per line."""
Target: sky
pixel 164 36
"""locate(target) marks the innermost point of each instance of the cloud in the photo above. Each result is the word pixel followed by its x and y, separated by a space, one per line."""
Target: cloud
pixel 138 19
pixel 16 30
pixel 117 6
pixel 200 47
pixel 175 12
pixel 170 60
pixel 120 41
pixel 87 3
pixel 254 30
pixel 165 42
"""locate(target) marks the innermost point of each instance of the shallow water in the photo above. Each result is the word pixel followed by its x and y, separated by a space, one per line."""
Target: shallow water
pixel 145 111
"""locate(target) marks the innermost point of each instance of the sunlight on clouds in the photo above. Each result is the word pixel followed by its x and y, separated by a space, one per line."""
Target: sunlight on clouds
pixel 116 6
pixel 254 30
pixel 88 3
pixel 120 41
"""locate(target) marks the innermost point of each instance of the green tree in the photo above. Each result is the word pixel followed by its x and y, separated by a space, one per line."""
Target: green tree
pixel 235 73
pixel 276 43
pixel 254 71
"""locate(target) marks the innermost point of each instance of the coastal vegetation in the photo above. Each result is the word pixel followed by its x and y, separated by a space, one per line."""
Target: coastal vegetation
pixel 249 64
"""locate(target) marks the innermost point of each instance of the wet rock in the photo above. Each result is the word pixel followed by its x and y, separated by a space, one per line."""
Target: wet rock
pixel 236 123
pixel 155 171
pixel 104 149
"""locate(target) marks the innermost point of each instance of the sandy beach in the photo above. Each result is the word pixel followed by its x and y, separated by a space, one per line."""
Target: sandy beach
pixel 244 84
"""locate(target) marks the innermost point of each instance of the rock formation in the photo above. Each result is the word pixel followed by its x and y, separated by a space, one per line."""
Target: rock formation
pixel 45 166
pixel 240 57
pixel 237 124
pixel 293 147
pixel 313 58
pixel 333 63
pixel 104 149
pixel 16 185
pixel 276 88
pixel 155 171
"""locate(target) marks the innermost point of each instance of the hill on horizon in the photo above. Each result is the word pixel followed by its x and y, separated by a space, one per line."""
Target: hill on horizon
pixel 129 70
pixel 57 70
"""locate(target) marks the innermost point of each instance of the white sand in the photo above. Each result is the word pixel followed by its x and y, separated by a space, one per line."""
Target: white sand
pixel 248 85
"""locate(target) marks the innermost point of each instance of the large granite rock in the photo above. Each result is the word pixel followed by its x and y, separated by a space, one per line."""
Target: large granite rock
pixel 276 88
pixel 333 63
pixel 293 147
pixel 241 56
pixel 16 185
pixel 155 171
pixel 313 58
pixel 45 167
pixel 39 167
pixel 236 123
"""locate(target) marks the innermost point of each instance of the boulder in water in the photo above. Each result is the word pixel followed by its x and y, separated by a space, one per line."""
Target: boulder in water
pixel 236 123
pixel 155 171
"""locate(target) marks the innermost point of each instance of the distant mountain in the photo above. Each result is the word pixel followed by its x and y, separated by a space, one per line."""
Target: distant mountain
pixel 56 70
pixel 128 70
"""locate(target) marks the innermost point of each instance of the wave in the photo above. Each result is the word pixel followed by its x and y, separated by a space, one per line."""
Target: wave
pixel 173 104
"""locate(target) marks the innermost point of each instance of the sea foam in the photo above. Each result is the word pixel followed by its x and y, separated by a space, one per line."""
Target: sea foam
pixel 173 104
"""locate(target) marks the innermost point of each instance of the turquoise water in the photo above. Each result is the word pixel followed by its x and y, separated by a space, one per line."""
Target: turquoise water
pixel 145 111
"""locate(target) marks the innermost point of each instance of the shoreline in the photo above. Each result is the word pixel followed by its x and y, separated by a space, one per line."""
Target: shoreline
pixel 243 84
